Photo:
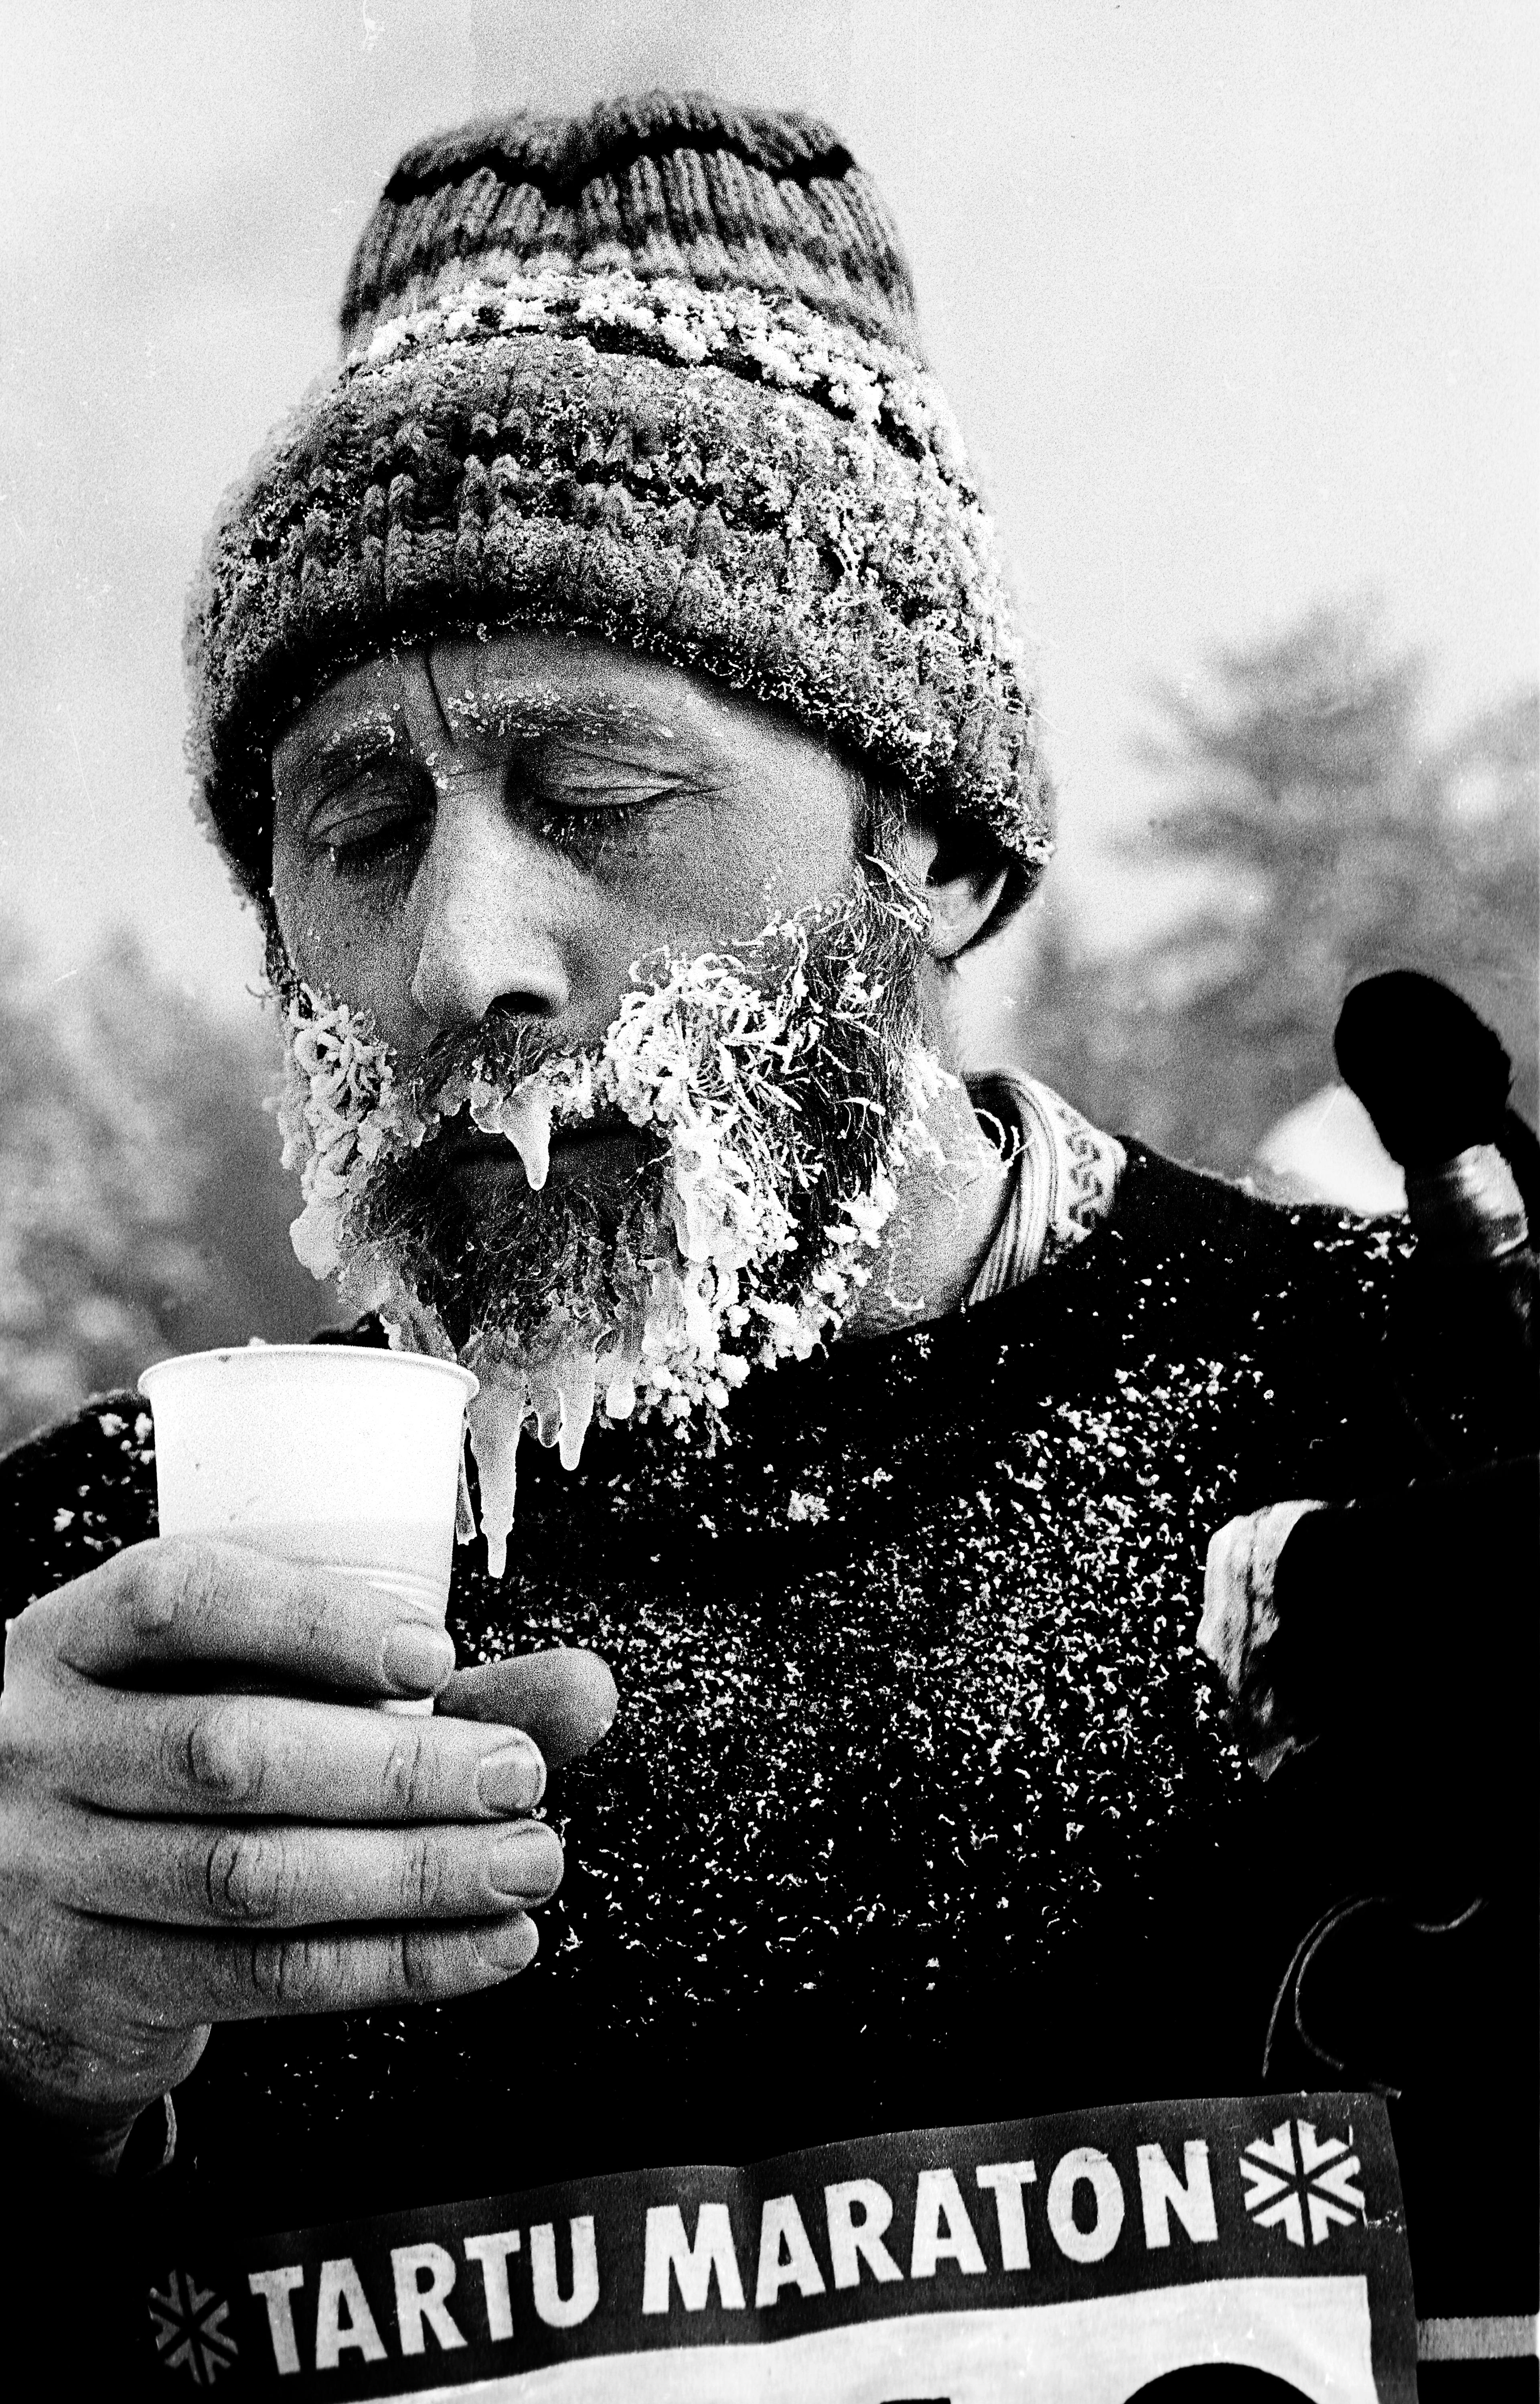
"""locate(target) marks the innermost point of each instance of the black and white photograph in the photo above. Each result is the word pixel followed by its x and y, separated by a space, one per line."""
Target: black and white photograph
pixel 769 1064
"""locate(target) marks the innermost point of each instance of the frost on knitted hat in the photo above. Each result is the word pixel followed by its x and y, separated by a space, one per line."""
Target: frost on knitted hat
pixel 653 372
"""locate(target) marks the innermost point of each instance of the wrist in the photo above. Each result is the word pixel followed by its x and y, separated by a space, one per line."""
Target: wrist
pixel 44 2116
pixel 49 2138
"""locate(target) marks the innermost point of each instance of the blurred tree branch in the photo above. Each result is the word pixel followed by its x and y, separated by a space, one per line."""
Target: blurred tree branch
pixel 1330 837
pixel 142 1207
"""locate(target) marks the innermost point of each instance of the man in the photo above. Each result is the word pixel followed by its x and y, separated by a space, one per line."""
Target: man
pixel 607 690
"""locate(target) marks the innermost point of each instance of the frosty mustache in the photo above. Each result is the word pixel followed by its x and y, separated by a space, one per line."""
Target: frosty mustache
pixel 779 1108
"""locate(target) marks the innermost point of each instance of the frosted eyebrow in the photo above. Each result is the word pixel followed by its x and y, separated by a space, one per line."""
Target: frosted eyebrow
pixel 356 744
pixel 535 716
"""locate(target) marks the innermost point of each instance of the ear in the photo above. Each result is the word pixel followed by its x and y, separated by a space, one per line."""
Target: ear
pixel 959 890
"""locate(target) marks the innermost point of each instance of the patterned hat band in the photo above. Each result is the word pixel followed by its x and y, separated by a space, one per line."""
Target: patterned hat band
pixel 724 480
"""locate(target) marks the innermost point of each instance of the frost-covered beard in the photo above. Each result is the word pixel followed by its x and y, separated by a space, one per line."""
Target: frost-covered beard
pixel 774 1091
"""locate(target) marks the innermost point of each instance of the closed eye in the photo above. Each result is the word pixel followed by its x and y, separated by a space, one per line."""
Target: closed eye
pixel 581 798
pixel 581 831
pixel 378 816
pixel 368 844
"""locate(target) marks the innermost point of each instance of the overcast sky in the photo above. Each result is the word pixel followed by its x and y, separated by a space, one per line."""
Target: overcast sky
pixel 1238 303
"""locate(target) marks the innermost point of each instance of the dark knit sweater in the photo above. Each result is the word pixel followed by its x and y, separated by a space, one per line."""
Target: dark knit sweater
pixel 919 1808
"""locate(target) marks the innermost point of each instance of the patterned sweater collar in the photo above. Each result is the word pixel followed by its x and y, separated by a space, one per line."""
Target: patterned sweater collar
pixel 1064 1182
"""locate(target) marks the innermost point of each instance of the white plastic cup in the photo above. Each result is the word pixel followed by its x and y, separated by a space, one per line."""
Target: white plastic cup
pixel 329 1453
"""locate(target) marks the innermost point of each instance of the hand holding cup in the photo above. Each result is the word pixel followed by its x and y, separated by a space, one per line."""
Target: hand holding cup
pixel 204 1816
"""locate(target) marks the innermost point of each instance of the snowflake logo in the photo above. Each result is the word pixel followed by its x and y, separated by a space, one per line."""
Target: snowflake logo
pixel 1293 2174
pixel 188 2322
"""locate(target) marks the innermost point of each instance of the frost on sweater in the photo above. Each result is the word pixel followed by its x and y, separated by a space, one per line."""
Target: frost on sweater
pixel 911 1704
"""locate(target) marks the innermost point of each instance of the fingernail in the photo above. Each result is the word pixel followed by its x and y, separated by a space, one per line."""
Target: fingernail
pixel 512 1779
pixel 417 1658
pixel 528 1863
pixel 509 1944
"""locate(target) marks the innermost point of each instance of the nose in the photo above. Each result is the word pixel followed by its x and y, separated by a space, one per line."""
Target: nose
pixel 489 900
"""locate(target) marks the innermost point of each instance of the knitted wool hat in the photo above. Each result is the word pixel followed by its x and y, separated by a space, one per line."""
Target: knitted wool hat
pixel 653 372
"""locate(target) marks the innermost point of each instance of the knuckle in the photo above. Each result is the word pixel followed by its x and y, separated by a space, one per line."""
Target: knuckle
pixel 409 1781
pixel 314 1628
pixel 24 1637
pixel 48 1954
pixel 214 1753
pixel 18 1737
pixel 43 1864
pixel 290 1974
pixel 163 1582
pixel 65 1952
pixel 425 1877
pixel 39 1735
pixel 35 1639
pixel 242 1876
pixel 424 1966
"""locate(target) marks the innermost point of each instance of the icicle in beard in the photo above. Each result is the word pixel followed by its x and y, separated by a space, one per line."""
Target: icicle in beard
pixel 774 1092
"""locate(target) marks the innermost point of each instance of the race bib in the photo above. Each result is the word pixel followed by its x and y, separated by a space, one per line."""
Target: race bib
pixel 1090 2257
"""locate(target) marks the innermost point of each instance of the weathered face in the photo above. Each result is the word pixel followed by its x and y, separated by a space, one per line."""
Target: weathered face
pixel 505 826
pixel 521 859
pixel 497 831
pixel 477 845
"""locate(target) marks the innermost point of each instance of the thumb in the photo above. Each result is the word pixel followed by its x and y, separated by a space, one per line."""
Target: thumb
pixel 564 1698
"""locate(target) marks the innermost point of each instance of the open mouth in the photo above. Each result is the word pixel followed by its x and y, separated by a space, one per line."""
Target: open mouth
pixel 603 1148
